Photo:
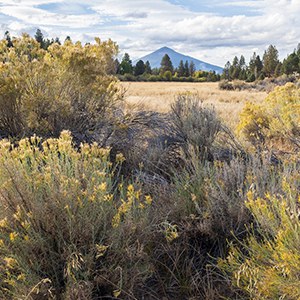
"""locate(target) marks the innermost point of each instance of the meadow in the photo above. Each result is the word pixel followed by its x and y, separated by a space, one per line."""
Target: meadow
pixel 158 96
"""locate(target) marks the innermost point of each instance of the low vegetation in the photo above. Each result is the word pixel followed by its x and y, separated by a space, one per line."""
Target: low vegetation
pixel 99 200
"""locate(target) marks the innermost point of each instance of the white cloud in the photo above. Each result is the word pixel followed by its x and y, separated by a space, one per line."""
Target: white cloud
pixel 36 16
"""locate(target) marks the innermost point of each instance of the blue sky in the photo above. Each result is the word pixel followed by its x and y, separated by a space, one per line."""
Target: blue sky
pixel 210 30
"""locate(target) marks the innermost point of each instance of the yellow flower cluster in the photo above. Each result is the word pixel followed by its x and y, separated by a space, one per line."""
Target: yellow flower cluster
pixel 132 203
pixel 171 232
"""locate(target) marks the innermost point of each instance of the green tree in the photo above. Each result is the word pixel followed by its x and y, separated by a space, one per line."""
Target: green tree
pixel 166 64
pixel 235 68
pixel 291 64
pixel 148 69
pixel 39 37
pixel 186 69
pixel 255 66
pixel 270 61
pixel 126 65
pixel 181 70
pixel 139 68
pixel 242 62
pixel 192 68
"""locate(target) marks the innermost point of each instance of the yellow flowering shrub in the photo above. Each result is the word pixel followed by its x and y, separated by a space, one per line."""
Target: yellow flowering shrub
pixel 278 117
pixel 267 265
pixel 69 86
pixel 60 213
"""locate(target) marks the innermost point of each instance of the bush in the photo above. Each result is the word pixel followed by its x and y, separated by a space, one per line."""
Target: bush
pixel 253 123
pixel 66 87
pixel 226 85
pixel 66 222
pixel 267 264
pixel 195 124
pixel 167 75
pixel 278 117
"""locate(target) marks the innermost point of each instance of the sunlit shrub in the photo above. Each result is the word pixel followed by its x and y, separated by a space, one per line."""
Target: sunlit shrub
pixel 267 264
pixel 253 123
pixel 66 220
pixel 277 118
pixel 67 87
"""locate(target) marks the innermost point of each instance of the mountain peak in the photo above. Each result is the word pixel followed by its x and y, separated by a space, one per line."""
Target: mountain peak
pixel 165 48
pixel 155 59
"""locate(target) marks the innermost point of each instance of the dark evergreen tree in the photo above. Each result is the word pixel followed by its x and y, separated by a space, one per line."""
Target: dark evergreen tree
pixel 166 64
pixel 255 67
pixel 270 61
pixel 148 68
pixel 242 62
pixel 291 64
pixel 235 68
pixel 181 69
pixel 126 65
pixel 39 37
pixel 139 68
pixel 186 69
pixel 192 68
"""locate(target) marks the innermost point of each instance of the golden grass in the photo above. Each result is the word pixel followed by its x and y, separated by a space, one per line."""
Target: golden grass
pixel 158 96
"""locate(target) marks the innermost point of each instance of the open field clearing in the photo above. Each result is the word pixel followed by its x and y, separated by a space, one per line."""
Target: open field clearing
pixel 159 95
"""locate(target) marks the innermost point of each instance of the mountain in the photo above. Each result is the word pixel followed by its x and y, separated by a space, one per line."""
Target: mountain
pixel 156 56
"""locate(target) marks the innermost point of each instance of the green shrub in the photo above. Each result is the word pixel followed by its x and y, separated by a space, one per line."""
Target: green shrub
pixel 167 76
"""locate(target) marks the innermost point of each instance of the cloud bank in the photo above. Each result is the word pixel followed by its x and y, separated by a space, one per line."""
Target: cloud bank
pixel 213 31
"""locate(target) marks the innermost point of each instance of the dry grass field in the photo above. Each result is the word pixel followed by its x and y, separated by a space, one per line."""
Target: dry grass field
pixel 159 95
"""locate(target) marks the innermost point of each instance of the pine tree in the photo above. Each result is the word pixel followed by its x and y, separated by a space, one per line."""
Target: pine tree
pixel 181 69
pixel 291 64
pixel 234 71
pixel 186 69
pixel 148 68
pixel 192 68
pixel 139 68
pixel 166 64
pixel 39 37
pixel 126 65
pixel 255 67
pixel 270 61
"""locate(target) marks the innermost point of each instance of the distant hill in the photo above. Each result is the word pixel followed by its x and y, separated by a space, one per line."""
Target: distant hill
pixel 156 56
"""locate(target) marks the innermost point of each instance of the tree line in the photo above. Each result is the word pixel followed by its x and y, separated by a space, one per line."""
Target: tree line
pixel 185 71
pixel 259 68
